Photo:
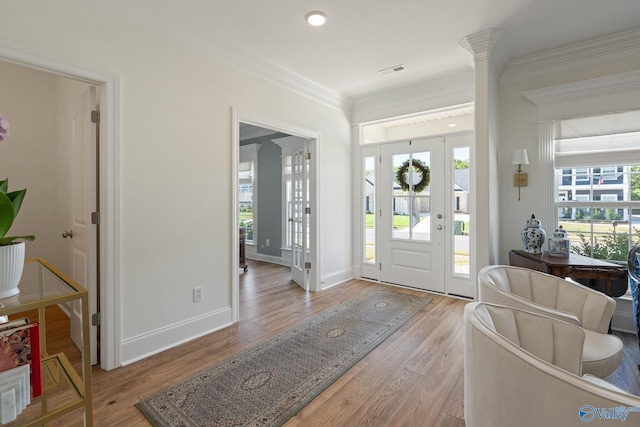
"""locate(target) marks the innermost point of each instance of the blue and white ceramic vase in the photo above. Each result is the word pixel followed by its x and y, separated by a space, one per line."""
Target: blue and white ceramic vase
pixel 559 244
pixel 533 236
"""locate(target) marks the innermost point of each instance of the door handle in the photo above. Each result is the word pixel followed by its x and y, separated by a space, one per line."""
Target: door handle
pixel 439 227
pixel 66 234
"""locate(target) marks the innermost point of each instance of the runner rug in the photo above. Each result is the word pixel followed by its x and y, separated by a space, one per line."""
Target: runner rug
pixel 267 384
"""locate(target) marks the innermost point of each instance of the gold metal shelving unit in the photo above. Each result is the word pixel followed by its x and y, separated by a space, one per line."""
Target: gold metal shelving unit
pixel 64 389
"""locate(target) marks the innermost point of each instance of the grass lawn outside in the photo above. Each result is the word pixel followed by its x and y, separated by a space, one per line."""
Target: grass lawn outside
pixel 400 222
pixel 573 228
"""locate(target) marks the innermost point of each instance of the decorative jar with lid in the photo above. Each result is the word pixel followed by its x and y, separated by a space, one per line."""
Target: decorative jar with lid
pixel 533 236
pixel 559 244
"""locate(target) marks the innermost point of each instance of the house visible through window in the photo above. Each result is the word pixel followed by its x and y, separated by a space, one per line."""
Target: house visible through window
pixel 597 163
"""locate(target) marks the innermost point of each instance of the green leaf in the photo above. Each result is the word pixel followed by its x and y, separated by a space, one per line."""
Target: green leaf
pixel 7 214
pixel 16 198
pixel 10 204
pixel 7 240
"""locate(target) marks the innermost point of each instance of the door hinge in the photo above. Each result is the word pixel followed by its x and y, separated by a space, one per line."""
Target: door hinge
pixel 307 156
pixel 380 266
pixel 95 217
pixel 95 116
pixel 307 211
pixel 95 319
pixel 307 265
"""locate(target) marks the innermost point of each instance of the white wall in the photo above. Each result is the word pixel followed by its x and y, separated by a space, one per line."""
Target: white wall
pixel 29 157
pixel 175 162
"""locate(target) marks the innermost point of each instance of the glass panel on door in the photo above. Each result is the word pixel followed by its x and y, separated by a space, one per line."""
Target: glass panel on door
pixel 461 198
pixel 411 196
pixel 300 226
pixel 370 209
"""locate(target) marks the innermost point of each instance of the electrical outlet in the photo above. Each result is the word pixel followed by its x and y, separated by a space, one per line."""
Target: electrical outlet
pixel 267 242
pixel 197 294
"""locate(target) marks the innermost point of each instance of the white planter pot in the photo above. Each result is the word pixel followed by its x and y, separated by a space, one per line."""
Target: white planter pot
pixel 11 265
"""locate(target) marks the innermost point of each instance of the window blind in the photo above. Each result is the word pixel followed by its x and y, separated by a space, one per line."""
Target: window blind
pixel 606 140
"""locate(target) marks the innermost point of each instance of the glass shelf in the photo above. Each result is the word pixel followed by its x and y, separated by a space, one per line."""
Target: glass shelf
pixel 41 282
pixel 64 388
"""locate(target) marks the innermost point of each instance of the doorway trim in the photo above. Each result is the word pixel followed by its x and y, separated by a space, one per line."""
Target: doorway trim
pixel 314 191
pixel 109 192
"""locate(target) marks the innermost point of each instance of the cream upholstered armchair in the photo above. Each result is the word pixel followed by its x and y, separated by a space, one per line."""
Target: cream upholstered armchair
pixel 552 296
pixel 524 369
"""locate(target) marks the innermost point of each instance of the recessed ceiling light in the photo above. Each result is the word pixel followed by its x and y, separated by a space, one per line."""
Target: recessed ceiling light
pixel 316 18
pixel 452 125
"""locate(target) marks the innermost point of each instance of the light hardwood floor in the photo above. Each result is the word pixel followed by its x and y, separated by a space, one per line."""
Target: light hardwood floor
pixel 414 378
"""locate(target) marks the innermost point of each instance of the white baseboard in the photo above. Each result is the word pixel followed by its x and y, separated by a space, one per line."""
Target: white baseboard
pixel 622 319
pixel 335 278
pixel 270 258
pixel 145 345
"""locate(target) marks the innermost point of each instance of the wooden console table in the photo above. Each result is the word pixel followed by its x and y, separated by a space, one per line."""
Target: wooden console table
pixel 578 267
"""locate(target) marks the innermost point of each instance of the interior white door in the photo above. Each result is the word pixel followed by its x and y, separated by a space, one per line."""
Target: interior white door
pixel 299 216
pixel 412 221
pixel 83 233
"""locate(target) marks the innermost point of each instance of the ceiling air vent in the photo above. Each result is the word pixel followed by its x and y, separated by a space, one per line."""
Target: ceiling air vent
pixel 393 69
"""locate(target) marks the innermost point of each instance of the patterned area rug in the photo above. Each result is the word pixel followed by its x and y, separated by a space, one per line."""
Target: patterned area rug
pixel 267 384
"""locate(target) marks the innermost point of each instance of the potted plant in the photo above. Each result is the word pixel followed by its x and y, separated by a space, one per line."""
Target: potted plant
pixel 11 252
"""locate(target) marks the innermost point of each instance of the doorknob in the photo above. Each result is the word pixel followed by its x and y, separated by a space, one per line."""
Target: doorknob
pixel 439 227
pixel 66 234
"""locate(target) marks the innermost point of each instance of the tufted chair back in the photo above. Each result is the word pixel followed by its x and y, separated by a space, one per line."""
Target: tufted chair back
pixel 558 343
pixel 550 295
pixel 523 369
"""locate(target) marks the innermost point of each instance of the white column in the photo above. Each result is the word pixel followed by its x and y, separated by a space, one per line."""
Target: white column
pixel 485 203
pixel 546 177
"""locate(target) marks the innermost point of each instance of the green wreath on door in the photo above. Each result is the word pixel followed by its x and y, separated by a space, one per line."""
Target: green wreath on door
pixel 418 166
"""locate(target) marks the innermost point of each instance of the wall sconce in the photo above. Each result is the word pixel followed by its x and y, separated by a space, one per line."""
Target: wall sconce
pixel 520 158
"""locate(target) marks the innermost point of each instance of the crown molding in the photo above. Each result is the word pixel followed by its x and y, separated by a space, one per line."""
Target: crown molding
pixel 593 52
pixel 485 45
pixel 585 89
pixel 480 44
pixel 456 88
pixel 226 52
pixel 273 73
pixel 618 92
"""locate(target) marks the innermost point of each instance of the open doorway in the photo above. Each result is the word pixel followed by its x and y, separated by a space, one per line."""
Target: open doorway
pixel 54 74
pixel 275 189
pixel 63 188
pixel 273 196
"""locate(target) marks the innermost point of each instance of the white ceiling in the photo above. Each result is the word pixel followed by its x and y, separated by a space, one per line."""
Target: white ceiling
pixel 362 37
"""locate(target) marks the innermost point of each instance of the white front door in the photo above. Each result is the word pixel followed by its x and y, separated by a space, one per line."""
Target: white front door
pixel 412 213
pixel 298 216
pixel 83 233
